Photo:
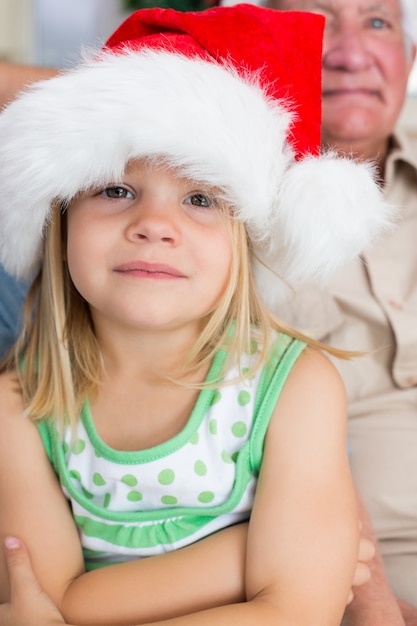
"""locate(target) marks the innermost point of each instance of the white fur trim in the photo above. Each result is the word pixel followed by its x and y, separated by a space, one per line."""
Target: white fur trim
pixel 329 211
pixel 81 129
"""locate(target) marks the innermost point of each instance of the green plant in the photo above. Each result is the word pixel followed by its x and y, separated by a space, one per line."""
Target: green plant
pixel 179 5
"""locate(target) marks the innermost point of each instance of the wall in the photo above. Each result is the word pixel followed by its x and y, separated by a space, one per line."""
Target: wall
pixel 16 30
pixel 51 32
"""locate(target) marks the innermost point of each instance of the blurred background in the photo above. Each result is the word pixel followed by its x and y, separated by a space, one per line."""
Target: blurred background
pixel 51 32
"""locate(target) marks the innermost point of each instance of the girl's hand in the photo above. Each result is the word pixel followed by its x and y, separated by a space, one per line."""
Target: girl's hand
pixel 28 605
pixel 362 570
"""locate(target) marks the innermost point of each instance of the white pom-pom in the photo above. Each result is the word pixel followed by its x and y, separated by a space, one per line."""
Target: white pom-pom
pixel 329 210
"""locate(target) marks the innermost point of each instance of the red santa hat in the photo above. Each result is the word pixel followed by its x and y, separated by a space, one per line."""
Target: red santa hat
pixel 231 96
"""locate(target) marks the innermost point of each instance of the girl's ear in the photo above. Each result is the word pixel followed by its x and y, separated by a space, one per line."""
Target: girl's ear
pixel 412 57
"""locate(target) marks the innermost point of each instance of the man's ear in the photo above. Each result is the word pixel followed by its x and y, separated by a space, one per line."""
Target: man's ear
pixel 413 52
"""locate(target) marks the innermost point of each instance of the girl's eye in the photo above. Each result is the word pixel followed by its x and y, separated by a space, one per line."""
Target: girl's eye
pixel 200 200
pixel 116 193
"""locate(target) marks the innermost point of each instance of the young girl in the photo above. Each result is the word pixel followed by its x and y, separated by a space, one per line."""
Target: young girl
pixel 161 193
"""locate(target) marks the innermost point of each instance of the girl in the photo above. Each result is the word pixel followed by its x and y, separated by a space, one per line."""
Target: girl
pixel 160 192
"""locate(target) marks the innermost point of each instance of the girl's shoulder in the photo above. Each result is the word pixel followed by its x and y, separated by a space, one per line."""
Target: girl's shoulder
pixel 15 425
pixel 317 367
pixel 11 397
pixel 314 381
pixel 312 364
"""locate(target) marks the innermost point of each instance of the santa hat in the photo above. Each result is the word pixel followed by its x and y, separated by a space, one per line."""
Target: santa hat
pixel 231 96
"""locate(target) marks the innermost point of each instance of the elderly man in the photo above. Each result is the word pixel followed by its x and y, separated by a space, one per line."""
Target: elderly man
pixel 372 305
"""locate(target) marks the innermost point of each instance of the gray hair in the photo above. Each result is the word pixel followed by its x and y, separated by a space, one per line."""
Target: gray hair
pixel 409 18
pixel 408 11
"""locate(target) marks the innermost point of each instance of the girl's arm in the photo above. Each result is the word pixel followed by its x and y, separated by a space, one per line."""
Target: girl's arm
pixel 30 606
pixel 33 508
pixel 32 505
pixel 302 542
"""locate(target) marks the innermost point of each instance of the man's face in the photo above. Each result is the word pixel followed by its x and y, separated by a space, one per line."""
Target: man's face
pixel 366 63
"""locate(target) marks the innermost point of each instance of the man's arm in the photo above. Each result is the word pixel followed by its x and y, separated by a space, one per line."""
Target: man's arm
pixel 14 78
pixel 374 604
pixel 409 613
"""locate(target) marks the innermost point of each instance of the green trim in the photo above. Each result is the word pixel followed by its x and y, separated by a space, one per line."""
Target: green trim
pixel 90 566
pixel 175 522
pixel 135 537
pixel 274 376
pixel 44 427
pixel 243 476
pixel 200 409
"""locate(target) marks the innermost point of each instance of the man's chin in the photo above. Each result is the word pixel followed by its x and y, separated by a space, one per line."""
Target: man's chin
pixel 347 125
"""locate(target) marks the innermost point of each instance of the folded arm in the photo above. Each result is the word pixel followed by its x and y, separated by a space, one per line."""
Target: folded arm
pixel 301 550
pixel 302 541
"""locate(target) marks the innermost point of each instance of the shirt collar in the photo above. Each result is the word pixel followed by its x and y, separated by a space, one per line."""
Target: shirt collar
pixel 403 150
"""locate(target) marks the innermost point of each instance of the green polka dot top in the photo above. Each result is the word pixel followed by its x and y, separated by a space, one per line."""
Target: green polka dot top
pixel 129 505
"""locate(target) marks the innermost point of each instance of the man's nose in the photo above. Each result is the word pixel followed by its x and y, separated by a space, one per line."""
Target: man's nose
pixel 346 50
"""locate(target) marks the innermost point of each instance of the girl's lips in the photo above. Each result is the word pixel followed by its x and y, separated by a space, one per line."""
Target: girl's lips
pixel 149 270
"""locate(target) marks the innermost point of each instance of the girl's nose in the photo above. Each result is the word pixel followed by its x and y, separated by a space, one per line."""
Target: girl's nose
pixel 154 222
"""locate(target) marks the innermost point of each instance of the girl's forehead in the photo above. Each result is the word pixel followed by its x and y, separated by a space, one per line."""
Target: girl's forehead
pixel 161 165
pixel 152 164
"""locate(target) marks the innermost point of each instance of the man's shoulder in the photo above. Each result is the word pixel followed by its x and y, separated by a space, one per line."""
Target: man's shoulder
pixel 312 310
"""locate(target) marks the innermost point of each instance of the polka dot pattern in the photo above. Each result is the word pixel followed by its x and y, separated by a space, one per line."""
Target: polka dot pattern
pixel 199 473
pixel 130 480
pixel 205 497
pixel 166 477
pixel 78 446
pixel 201 470
pixel 239 429
pixel 98 479
pixel 169 500
pixel 157 497
pixel 134 496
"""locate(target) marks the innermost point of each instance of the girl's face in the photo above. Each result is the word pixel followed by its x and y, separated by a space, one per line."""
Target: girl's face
pixel 152 252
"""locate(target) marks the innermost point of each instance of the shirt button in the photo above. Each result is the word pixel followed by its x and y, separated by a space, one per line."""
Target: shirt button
pixel 396 304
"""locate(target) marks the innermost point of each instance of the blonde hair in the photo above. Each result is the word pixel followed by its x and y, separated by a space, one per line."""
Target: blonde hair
pixel 58 357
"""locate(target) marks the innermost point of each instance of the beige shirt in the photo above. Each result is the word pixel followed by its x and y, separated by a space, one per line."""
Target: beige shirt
pixel 371 304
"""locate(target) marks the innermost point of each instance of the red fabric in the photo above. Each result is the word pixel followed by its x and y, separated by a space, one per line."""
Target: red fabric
pixel 286 45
